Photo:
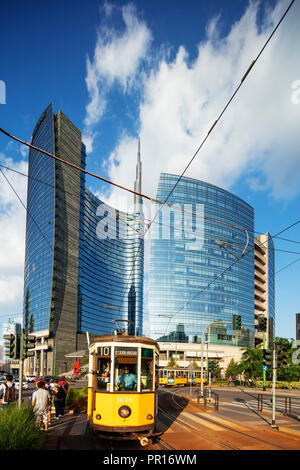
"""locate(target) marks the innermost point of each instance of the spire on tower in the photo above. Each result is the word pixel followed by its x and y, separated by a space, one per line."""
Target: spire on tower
pixel 138 181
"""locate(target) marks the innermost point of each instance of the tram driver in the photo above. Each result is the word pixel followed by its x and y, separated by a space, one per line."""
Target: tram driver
pixel 127 380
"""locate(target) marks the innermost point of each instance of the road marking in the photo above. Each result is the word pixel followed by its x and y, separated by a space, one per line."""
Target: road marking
pixel 202 421
pixel 228 423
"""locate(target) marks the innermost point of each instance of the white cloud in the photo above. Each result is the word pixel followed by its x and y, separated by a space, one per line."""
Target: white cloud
pixel 181 100
pixel 117 57
pixel 11 289
pixel 12 235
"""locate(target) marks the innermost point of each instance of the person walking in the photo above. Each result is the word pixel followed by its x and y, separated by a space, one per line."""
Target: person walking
pixel 50 390
pixel 65 387
pixel 59 397
pixel 40 401
pixel 8 391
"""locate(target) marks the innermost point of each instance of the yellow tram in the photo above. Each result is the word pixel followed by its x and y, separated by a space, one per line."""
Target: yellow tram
pixel 175 377
pixel 122 386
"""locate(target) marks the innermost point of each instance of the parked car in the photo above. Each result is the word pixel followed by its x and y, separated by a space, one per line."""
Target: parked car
pixel 17 384
pixel 30 378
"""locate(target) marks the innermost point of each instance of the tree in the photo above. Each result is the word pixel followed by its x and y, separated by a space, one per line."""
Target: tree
pixel 252 362
pixel 31 324
pixel 26 316
pixel 232 369
pixel 172 362
pixel 289 372
pixel 194 365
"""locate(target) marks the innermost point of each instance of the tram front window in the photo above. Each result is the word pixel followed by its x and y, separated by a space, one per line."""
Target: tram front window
pixel 103 371
pixel 125 369
pixel 147 370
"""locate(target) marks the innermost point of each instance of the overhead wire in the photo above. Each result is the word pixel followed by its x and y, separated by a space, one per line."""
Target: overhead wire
pixel 143 221
pixel 227 269
pixel 221 114
pixel 191 160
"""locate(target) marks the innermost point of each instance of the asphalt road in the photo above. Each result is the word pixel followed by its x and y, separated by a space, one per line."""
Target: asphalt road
pixel 240 405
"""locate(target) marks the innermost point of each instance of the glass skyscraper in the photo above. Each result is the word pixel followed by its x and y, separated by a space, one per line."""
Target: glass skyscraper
pixel 110 269
pixel 83 261
pixel 197 272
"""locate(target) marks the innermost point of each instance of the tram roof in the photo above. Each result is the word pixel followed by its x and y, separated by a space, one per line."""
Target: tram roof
pixel 124 339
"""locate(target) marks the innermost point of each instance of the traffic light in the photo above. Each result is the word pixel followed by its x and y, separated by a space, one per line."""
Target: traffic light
pixel 8 345
pixel 262 323
pixel 29 342
pixel 12 346
pixel 236 322
pixel 282 356
pixel 267 358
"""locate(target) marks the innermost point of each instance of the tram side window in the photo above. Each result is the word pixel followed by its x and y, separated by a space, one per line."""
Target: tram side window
pixel 125 369
pixel 157 371
pixel 147 370
pixel 103 369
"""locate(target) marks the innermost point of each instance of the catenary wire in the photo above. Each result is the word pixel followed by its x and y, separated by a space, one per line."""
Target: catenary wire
pixel 225 270
pixel 145 221
pixel 221 114
pixel 195 154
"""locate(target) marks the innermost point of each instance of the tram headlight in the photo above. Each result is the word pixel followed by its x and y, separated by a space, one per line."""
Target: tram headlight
pixel 98 417
pixel 124 411
pixel 149 417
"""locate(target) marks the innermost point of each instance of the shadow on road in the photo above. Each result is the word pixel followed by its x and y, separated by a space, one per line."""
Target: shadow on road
pixel 169 408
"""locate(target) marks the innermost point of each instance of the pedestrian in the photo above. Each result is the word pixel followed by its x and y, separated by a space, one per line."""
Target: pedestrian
pixel 40 401
pixel 50 390
pixel 8 391
pixel 64 384
pixel 66 387
pixel 59 397
pixel 230 381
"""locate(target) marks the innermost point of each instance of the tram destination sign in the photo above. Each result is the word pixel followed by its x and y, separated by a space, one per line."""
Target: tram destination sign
pixel 105 351
pixel 119 351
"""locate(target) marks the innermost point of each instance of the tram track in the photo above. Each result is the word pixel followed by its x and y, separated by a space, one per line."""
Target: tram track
pixel 183 421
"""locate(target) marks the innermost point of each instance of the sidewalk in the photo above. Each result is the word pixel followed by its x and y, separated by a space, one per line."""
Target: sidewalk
pixel 66 433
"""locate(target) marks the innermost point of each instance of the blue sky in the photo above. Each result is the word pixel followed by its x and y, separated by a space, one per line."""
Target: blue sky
pixel 161 70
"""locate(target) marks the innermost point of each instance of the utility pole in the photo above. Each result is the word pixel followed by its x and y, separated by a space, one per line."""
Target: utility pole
pixel 264 371
pixel 273 425
pixel 21 368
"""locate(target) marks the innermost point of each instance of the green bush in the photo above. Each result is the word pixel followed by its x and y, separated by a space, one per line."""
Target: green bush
pixel 72 395
pixel 279 385
pixel 84 391
pixel 76 400
pixel 17 428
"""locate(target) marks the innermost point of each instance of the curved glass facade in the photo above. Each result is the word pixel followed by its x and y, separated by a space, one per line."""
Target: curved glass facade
pixel 84 260
pixel 40 226
pixel 110 269
pixel 192 282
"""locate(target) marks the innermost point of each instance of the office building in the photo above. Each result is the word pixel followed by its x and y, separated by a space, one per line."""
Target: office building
pixel 82 266
pixel 297 326
pixel 197 272
pixel 264 287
